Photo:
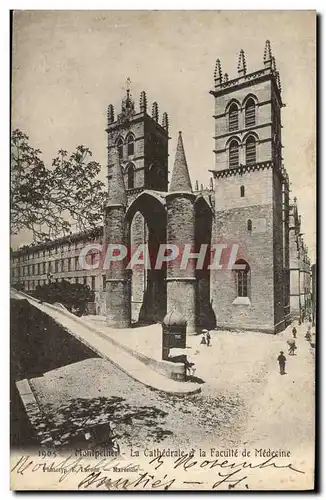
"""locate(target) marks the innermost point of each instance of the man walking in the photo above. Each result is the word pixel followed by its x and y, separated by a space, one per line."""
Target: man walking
pixel 208 339
pixel 281 361
pixel 292 347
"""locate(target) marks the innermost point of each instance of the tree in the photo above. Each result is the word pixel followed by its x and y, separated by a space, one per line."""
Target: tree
pixel 47 201
pixel 71 295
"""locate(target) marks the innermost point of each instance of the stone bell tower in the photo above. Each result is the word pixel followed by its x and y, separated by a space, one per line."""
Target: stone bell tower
pixel 141 139
pixel 142 143
pixel 251 196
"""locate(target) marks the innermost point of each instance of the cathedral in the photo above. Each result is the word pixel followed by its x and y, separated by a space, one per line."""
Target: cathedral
pixel 247 206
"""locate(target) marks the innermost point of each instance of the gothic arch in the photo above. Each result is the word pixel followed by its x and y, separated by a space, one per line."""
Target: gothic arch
pixel 248 134
pixel 119 145
pixel 130 175
pixel 242 279
pixel 250 147
pixel 201 202
pixel 230 103
pixel 233 149
pixel 249 96
pixel 146 221
pixel 146 203
pixel 205 317
pixel 130 141
pixel 232 138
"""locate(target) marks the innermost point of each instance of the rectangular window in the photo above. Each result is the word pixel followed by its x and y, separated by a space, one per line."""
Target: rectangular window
pixel 242 283
pixel 56 266
pixel 85 280
pixel 104 282
pixel 93 282
pixel 76 263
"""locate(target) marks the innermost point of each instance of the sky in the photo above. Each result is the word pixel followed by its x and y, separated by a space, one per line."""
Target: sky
pixel 68 66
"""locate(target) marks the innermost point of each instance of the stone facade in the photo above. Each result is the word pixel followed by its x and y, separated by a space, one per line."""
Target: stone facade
pixel 300 266
pixel 58 260
pixel 247 206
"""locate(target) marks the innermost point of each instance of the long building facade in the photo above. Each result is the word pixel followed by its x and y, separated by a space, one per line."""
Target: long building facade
pixel 247 206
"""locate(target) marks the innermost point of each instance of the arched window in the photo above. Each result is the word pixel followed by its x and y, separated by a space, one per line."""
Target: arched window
pixel 130 176
pixel 242 191
pixel 233 117
pixel 131 145
pixel 249 225
pixel 250 150
pixel 250 113
pixel 242 278
pixel 234 154
pixel 120 147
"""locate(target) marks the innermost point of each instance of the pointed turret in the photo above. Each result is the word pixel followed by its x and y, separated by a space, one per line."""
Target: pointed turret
pixel 155 111
pixel 127 104
pixel 211 185
pixel 117 191
pixel 165 121
pixel 226 77
pixel 278 81
pixel 218 73
pixel 268 55
pixel 196 186
pixel 180 176
pixel 110 114
pixel 143 102
pixel 242 67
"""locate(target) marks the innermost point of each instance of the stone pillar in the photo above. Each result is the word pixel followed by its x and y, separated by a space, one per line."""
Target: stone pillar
pixel 181 283
pixel 118 282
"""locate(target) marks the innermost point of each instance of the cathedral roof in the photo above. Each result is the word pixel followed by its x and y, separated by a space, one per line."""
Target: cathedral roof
pixel 117 192
pixel 180 176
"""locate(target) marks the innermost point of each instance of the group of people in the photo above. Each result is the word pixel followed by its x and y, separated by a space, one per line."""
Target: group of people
pixel 206 338
pixel 292 345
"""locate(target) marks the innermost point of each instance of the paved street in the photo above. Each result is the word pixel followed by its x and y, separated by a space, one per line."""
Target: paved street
pixel 72 383
pixel 244 398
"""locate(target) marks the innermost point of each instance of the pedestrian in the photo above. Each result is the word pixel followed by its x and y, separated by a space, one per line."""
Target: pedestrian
pixel 203 339
pixel 308 336
pixel 208 339
pixel 292 348
pixel 294 332
pixel 281 361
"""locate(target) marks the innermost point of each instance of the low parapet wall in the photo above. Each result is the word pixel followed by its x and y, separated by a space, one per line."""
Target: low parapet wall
pixel 174 371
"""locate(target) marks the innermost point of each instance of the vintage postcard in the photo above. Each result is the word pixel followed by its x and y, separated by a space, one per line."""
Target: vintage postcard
pixel 163 250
